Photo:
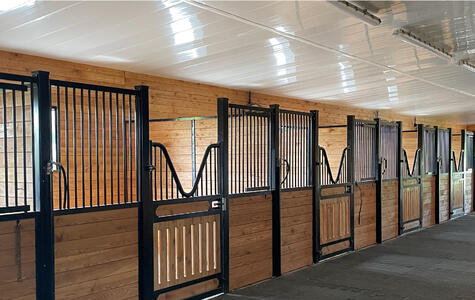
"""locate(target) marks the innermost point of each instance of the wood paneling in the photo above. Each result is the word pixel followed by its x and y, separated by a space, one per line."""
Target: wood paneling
pixel 250 240
pixel 296 229
pixel 17 259
pixel 96 255
pixel 444 197
pixel 428 195
pixel 365 215
pixel 457 191
pixel 390 213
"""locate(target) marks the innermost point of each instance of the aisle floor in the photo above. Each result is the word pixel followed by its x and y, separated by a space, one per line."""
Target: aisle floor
pixel 435 263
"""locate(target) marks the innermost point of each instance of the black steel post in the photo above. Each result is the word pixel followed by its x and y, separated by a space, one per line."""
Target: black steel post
pixel 451 184
pixel 437 177
pixel 223 137
pixel 44 221
pixel 275 167
pixel 144 195
pixel 350 136
pixel 379 184
pixel 315 169
pixel 422 170
pixel 400 165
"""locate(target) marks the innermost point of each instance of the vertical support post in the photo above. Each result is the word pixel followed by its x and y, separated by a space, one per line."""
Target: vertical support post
pixel 144 194
pixel 464 165
pixel 350 136
pixel 451 165
pixel 275 186
pixel 379 184
pixel 437 177
pixel 422 170
pixel 315 166
pixel 193 151
pixel 400 165
pixel 223 175
pixel 44 221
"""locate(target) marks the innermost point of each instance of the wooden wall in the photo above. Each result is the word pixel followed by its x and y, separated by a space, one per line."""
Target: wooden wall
pixel 390 209
pixel 17 259
pixel 365 215
pixel 444 198
pixel 250 240
pixel 428 195
pixel 96 255
pixel 296 229
pixel 468 196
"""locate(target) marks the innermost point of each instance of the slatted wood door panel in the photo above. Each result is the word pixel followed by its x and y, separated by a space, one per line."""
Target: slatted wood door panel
pixel 457 207
pixel 411 204
pixel 187 249
pixel 335 221
pixel 444 186
pixel 468 196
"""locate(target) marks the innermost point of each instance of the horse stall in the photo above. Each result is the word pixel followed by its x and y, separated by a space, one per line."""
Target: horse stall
pixel 457 176
pixel 467 140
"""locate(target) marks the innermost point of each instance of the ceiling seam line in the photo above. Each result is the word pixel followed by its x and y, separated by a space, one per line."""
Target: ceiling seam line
pixel 317 45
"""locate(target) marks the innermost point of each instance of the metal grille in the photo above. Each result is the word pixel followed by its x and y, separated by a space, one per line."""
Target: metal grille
pixel 469 152
pixel 365 152
pixel 167 184
pixel 430 164
pixel 389 149
pixel 16 153
pixel 326 174
pixel 458 166
pixel 444 148
pixel 294 149
pixel 407 170
pixel 248 149
pixel 95 143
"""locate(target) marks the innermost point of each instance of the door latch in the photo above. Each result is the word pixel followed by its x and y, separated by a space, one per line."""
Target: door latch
pixel 215 204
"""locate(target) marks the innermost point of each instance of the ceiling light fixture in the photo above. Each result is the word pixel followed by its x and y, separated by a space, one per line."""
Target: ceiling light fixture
pixel 358 12
pixel 412 39
pixel 466 65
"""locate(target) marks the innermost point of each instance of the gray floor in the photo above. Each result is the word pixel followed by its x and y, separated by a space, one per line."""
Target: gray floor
pixel 436 263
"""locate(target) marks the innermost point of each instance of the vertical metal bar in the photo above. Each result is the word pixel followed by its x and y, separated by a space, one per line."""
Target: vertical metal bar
pixel 66 130
pixel 161 174
pixel 74 151
pixel 44 222
pixel 117 142
pixel 144 195
pixel 5 147
pixel 23 108
pixel 248 131
pixel 124 147
pixel 399 170
pixel 193 152
pixel 81 116
pixel 96 130
pixel 437 178
pixel 104 146
pixel 154 149
pixel 234 150
pixel 223 136
pixel 422 171
pixel 111 150
pixel 315 166
pixel 15 162
pixel 89 144
pixel 351 174
pixel 379 183
pixel 131 150
pixel 275 166
pixel 451 164
pixel 240 153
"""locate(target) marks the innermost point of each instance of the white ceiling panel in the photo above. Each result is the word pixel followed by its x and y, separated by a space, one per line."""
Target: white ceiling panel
pixel 304 49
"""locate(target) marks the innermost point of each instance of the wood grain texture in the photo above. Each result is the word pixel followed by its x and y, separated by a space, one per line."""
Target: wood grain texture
pixel 468 196
pixel 96 255
pixel 365 215
pixel 296 229
pixel 17 260
pixel 428 195
pixel 444 198
pixel 250 240
pixel 390 213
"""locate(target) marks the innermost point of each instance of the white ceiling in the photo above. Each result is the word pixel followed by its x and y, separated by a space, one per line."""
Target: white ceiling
pixel 304 49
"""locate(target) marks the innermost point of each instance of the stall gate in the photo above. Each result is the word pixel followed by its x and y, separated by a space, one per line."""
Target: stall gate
pixel 457 182
pixel 410 200
pixel 443 181
pixel 467 139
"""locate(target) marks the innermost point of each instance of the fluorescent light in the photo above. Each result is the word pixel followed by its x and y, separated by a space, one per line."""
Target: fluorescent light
pixel 466 65
pixel 7 5
pixel 358 12
pixel 412 39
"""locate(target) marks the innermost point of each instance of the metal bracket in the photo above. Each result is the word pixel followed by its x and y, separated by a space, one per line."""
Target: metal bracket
pixel 150 168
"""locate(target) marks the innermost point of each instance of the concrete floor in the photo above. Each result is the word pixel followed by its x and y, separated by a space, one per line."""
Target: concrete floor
pixel 436 263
